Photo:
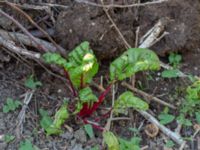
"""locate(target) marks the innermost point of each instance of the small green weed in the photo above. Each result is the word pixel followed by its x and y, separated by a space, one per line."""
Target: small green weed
pixel 8 138
pixel 165 117
pixel 11 105
pixel 32 83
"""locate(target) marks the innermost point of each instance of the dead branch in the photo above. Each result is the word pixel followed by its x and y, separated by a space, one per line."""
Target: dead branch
pixel 19 37
pixel 147 96
pixel 59 48
pixel 24 30
pixel 120 6
pixel 12 47
pixel 175 137
pixel 22 114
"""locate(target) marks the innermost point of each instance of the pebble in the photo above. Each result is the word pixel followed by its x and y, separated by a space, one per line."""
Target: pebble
pixel 80 135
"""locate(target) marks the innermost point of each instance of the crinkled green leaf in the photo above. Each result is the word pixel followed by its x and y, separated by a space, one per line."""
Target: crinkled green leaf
pixel 133 61
pixel 172 73
pixel 83 64
pixel 193 92
pixel 86 96
pixel 128 100
pixel 60 117
pixel 111 140
pixel 31 83
pixel 54 126
pixel 55 58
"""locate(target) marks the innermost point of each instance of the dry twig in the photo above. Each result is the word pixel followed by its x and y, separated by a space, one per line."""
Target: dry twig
pixel 147 96
pixel 60 49
pixel 19 37
pixel 120 6
pixel 22 114
pixel 12 47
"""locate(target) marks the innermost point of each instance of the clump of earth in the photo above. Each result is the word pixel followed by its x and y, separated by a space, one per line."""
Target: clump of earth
pixel 84 22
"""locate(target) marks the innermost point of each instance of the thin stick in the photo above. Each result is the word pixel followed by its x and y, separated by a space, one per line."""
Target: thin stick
pixel 115 26
pixel 12 47
pixel 175 137
pixel 21 116
pixel 24 30
pixel 19 37
pixel 147 96
pixel 61 50
pixel 120 6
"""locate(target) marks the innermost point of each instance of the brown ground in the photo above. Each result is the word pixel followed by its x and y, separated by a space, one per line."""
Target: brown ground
pixel 81 22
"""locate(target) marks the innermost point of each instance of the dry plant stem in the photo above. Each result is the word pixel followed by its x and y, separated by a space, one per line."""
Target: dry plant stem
pixel 12 47
pixel 24 30
pixel 148 39
pixel 22 114
pixel 120 6
pixel 60 49
pixel 175 137
pixel 26 40
pixel 147 96
pixel 116 28
pixel 108 124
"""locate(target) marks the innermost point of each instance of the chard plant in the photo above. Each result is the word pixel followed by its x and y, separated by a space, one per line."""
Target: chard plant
pixel 81 66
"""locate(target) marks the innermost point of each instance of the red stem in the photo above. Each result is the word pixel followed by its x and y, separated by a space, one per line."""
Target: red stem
pixel 70 83
pixel 87 111
pixel 82 84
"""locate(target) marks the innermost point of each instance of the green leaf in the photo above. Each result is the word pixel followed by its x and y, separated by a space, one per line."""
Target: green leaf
pixel 11 105
pixel 95 148
pixel 89 130
pixel 111 140
pixel 166 118
pixel 172 73
pixel 132 144
pixel 184 121
pixel 133 61
pixel 193 92
pixel 175 59
pixel 31 83
pixel 8 138
pixel 83 64
pixel 60 117
pixel 128 100
pixel 86 96
pixel 169 144
pixel 54 126
pixel 55 58
pixel 46 120
pixel 26 145
pixel 197 114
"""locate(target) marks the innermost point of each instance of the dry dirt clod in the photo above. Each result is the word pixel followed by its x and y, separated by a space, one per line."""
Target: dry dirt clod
pixel 183 24
pixel 83 22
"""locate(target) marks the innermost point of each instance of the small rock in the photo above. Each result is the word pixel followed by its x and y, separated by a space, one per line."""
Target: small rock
pixel 77 147
pixel 67 136
pixel 80 135
pixel 3 146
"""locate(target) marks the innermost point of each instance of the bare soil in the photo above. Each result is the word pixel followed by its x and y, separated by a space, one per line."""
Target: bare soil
pixel 83 22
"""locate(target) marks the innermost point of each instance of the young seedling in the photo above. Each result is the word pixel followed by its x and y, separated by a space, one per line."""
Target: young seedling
pixel 81 66
pixel 11 105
